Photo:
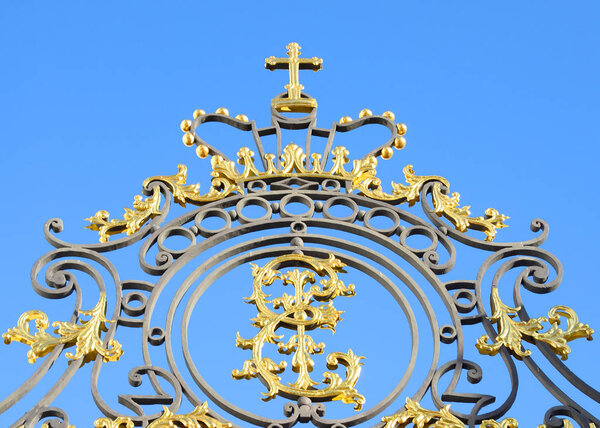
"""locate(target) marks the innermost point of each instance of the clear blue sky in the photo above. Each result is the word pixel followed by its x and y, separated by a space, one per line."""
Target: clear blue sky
pixel 501 98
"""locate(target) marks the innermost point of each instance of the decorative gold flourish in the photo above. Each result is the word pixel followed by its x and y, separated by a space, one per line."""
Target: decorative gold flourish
pixel 511 332
pixel 143 210
pixel 442 418
pixel 460 216
pixel 197 418
pixel 298 314
pixel 362 177
pixel 222 186
pixel 86 337
pixel 146 209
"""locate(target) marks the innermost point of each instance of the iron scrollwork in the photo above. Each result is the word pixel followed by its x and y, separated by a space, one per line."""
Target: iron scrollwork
pixel 295 248
pixel 362 177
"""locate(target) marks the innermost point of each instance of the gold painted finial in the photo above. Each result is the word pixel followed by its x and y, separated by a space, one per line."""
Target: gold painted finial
pixel 294 102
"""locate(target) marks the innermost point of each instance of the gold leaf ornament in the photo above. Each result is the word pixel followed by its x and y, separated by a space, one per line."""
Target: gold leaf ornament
pixel 197 418
pixel 228 180
pixel 420 418
pixel 511 333
pixel 133 219
pixel 85 336
pixel 448 206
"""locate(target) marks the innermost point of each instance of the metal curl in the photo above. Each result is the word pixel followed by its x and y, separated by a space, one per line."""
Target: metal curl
pixel 539 274
pixel 164 259
pixel 62 282
pixel 535 226
pixel 433 261
pixel 135 402
pixel 536 273
pixel 474 373
pixel 527 257
pixel 317 412
pixel 56 225
pixel 60 418
pixel 552 417
pixel 290 409
pixel 479 400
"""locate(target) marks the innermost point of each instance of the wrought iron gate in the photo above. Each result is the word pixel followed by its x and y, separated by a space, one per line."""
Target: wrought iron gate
pixel 307 252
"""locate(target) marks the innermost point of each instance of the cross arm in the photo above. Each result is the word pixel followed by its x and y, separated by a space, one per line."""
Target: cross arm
pixel 313 63
pixel 273 63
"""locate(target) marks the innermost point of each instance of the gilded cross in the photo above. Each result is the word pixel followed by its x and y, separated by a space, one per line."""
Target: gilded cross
pixel 294 102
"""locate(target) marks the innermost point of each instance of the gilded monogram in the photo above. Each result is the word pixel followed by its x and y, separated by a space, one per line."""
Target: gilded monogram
pixel 299 314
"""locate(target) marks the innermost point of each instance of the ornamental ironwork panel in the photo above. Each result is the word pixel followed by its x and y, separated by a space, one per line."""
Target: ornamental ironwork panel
pixel 302 263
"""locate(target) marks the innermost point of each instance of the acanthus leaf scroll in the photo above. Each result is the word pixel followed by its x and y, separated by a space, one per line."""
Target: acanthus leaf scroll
pixel 197 418
pixel 227 180
pixel 511 333
pixel 85 336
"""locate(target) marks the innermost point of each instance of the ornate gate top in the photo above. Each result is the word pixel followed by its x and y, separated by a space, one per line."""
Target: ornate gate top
pixel 296 162
pixel 315 256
